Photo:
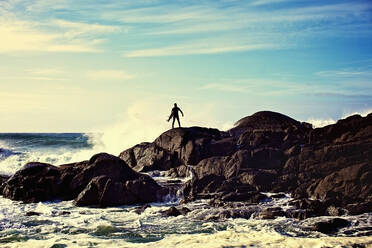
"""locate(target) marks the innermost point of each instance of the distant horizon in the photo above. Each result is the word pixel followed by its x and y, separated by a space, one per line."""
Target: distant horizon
pixel 314 122
pixel 70 65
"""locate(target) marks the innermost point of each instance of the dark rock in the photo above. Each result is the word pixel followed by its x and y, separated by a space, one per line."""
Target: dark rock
pixel 104 191
pixel 278 195
pixel 173 211
pixel 148 156
pixel 104 180
pixel 330 226
pixel 141 209
pixel 34 182
pixel 3 179
pixel 271 213
pixel 248 197
pixel 359 208
pixel 32 213
pixel 101 164
pixel 265 120
pixel 353 181
pixel 64 213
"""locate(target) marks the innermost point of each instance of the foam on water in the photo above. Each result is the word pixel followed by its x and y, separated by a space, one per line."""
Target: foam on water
pixel 61 224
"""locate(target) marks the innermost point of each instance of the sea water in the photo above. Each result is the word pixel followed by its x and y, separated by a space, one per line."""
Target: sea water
pixel 61 224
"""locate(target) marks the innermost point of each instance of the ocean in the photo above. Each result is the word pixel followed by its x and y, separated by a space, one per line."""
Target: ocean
pixel 61 224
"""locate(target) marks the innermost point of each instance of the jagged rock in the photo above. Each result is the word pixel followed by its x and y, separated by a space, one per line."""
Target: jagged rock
pixel 3 179
pixel 353 182
pixel 148 156
pixel 330 226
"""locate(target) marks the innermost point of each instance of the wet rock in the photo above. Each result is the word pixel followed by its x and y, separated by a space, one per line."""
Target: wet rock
pixel 3 179
pixel 34 182
pixel 141 209
pixel 32 213
pixel 64 213
pixel 148 156
pixel 248 197
pixel 173 211
pixel 271 213
pixel 353 181
pixel 330 226
pixel 104 180
pixel 359 208
pixel 278 195
pixel 104 191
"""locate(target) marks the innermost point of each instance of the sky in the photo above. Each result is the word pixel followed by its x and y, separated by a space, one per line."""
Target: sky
pixel 85 66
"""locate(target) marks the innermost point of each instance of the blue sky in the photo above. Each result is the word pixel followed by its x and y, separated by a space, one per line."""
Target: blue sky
pixel 87 65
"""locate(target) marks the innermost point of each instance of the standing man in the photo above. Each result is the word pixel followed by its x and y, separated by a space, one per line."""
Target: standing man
pixel 175 116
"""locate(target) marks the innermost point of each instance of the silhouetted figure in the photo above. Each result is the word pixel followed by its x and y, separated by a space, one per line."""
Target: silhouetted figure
pixel 175 116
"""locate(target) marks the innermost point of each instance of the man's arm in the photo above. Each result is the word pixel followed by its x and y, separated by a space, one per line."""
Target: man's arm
pixel 180 111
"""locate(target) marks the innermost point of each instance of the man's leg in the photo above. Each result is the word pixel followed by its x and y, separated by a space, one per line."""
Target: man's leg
pixel 178 120
pixel 173 122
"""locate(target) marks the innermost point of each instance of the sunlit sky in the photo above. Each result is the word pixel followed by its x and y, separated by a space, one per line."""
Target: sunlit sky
pixel 71 66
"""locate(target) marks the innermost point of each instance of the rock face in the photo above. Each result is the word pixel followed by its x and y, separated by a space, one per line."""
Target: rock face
pixel 104 180
pixel 178 146
pixel 268 151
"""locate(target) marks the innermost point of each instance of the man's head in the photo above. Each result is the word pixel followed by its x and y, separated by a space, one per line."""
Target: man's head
pixel 175 104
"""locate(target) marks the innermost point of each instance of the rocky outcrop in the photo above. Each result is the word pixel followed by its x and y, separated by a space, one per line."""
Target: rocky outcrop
pixel 268 151
pixel 179 146
pixel 104 180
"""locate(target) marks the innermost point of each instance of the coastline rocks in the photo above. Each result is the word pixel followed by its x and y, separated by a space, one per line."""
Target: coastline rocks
pixel 104 180
pixel 270 152
pixel 330 226
pixel 34 182
pixel 173 211
pixel 176 147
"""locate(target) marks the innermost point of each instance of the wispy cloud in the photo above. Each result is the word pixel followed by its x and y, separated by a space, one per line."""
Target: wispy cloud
pixel 19 35
pixel 190 49
pixel 109 75
pixel 345 73
pixel 264 2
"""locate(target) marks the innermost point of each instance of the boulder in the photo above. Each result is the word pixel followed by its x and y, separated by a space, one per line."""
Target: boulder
pixel 330 226
pixel 173 211
pixel 271 213
pixel 104 180
pixel 34 182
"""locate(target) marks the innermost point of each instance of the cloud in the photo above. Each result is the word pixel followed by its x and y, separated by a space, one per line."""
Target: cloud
pixel 265 2
pixel 197 48
pixel 53 36
pixel 109 75
pixel 344 73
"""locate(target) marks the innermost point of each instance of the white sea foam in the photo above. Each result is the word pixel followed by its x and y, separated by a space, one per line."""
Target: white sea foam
pixel 122 227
